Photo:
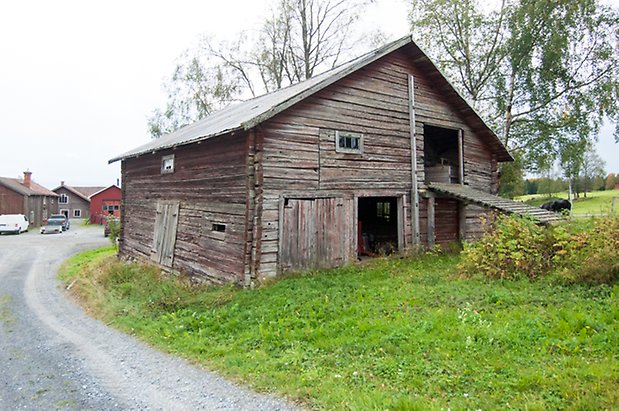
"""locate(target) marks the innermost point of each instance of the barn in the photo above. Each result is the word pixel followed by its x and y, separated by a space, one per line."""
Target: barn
pixel 378 154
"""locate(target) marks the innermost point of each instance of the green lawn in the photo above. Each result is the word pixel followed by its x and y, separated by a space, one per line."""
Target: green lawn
pixel 596 202
pixel 393 334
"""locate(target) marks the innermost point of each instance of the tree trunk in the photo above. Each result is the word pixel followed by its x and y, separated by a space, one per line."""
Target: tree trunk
pixel 508 110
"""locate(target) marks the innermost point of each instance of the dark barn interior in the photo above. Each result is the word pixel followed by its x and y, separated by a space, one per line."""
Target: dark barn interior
pixel 377 225
pixel 441 159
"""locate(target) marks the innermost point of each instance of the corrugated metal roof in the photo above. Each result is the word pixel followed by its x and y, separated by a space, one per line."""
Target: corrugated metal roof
pixel 17 185
pixel 250 113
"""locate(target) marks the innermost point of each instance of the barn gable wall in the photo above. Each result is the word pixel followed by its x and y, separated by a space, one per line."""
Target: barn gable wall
pixel 299 156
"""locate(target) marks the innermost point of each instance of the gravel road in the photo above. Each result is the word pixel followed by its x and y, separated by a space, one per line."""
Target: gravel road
pixel 53 356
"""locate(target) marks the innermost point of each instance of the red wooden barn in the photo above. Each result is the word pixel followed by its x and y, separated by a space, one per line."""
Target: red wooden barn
pixel 104 203
pixel 376 155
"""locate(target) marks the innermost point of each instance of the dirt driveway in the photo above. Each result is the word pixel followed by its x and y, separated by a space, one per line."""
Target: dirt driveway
pixel 53 356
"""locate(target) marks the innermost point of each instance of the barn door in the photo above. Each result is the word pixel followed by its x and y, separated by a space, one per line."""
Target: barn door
pixel 315 233
pixel 164 238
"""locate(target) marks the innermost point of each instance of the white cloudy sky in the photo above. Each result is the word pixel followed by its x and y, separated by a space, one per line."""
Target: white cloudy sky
pixel 79 78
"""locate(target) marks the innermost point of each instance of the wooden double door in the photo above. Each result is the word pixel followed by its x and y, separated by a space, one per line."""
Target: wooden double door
pixel 316 232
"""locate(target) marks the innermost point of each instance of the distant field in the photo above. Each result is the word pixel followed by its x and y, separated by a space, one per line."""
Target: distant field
pixel 596 202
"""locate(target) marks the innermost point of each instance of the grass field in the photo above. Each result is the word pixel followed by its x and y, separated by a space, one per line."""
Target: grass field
pixel 394 333
pixel 596 202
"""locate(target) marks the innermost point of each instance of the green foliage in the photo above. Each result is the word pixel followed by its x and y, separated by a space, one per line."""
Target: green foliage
pixel 513 247
pixel 114 227
pixel 390 334
pixel 512 181
pixel 610 182
pixel 546 73
pixel 571 252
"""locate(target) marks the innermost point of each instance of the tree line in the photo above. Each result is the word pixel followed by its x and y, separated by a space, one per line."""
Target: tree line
pixel 550 185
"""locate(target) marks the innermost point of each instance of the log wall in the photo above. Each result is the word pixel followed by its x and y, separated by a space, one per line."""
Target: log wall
pixel 210 182
pixel 299 156
pixel 242 181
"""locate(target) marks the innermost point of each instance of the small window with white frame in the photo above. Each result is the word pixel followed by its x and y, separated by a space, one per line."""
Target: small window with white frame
pixel 63 199
pixel 167 164
pixel 77 213
pixel 348 142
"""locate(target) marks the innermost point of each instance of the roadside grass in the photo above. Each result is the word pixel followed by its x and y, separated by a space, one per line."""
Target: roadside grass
pixel 596 202
pixel 394 334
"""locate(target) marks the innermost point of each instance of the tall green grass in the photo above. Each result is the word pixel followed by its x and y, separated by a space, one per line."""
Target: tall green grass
pixel 393 334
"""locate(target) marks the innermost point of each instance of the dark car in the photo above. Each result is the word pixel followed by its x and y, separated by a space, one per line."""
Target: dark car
pixel 63 220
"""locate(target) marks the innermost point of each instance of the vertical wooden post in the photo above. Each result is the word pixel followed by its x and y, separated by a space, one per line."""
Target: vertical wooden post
pixel 400 206
pixel 431 222
pixel 461 221
pixel 414 188
pixel 460 157
pixel 461 205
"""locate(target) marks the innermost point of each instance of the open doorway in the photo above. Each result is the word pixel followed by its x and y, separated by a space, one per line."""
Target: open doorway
pixel 377 226
pixel 441 156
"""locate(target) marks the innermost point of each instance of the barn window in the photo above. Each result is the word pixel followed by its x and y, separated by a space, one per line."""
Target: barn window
pixel 383 210
pixel 77 213
pixel 347 142
pixel 64 199
pixel 167 164
pixel 220 228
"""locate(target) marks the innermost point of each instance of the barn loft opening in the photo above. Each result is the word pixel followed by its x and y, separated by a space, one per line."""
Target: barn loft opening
pixel 441 157
pixel 377 225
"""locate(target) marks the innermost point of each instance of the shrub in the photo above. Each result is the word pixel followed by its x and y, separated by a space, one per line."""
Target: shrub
pixel 513 247
pixel 587 252
pixel 573 252
pixel 114 227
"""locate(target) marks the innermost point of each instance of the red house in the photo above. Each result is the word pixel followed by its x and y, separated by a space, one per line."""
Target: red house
pixel 103 203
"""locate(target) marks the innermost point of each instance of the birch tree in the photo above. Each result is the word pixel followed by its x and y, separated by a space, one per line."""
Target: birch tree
pixel 544 73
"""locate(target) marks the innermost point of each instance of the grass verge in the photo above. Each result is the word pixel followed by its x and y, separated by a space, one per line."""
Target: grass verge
pixel 394 334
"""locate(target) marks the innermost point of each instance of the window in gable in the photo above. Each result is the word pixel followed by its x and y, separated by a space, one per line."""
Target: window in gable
pixel 167 164
pixel 63 199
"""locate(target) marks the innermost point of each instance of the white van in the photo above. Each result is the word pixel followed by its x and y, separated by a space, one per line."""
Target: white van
pixel 13 223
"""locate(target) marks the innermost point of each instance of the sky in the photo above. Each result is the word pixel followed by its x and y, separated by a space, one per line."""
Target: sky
pixel 78 79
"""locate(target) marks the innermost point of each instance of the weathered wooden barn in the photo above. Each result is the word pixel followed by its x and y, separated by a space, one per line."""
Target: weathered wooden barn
pixel 315 174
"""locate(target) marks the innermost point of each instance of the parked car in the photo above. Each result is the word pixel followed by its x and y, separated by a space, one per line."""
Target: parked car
pixel 60 217
pixel 52 226
pixel 13 223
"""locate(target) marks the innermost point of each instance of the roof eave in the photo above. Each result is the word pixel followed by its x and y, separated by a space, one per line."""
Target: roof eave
pixel 172 146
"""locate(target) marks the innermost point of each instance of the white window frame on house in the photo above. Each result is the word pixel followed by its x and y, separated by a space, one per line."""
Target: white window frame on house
pixel 63 199
pixel 167 164
pixel 77 213
pixel 348 142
